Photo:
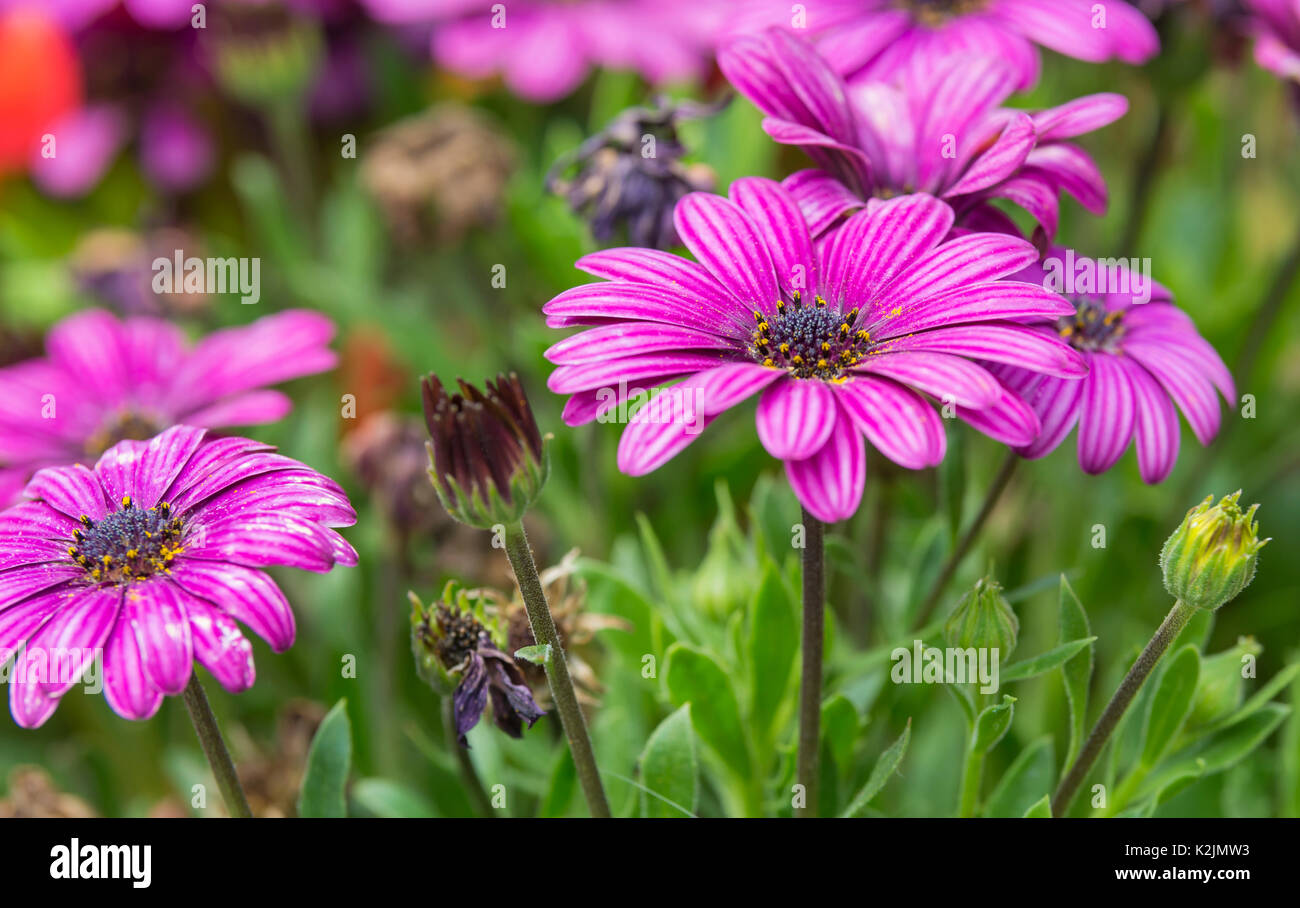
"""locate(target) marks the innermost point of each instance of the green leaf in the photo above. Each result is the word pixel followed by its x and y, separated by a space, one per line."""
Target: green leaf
pixel 1221 751
pixel 772 647
pixel 1077 672
pixel 328 760
pixel 670 768
pixel 1042 809
pixel 840 728
pixel 386 798
pixel 1170 704
pixel 885 767
pixel 539 654
pixel 1044 662
pixel 694 677
pixel 564 782
pixel 1033 772
pixel 992 724
pixel 1260 698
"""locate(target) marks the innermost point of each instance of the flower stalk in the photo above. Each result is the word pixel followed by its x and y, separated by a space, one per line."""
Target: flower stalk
pixel 214 748
pixel 808 769
pixel 557 671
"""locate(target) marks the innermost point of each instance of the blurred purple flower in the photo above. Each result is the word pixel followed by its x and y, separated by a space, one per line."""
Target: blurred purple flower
pixel 105 380
pixel 152 557
pixel 843 338
pixel 545 48
pixel 85 143
pixel 1143 357
pixel 1276 26
pixel 945 134
pixel 176 152
pixel 883 40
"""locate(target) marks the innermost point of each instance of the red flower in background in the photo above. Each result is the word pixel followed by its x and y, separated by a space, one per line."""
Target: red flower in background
pixel 40 80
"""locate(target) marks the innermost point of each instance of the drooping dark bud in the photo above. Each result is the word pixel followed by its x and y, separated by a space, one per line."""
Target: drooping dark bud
pixel 630 175
pixel 488 461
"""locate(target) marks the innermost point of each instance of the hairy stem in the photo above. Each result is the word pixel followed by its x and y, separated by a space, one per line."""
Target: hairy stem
pixel 1174 622
pixel 557 669
pixel 810 681
pixel 214 748
pixel 972 773
pixel 469 775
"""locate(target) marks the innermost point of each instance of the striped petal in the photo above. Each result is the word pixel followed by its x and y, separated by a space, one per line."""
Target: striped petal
pixel 900 423
pixel 126 687
pixel 795 418
pixel 1156 434
pixel 162 634
pixel 951 379
pixel 1106 416
pixel 830 483
pixel 724 240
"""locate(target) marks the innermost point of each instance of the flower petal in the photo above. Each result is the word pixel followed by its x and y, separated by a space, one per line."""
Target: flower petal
pixel 830 483
pixel 900 423
pixel 724 240
pixel 951 379
pixel 247 595
pixel 1106 416
pixel 1156 436
pixel 795 418
pixel 162 632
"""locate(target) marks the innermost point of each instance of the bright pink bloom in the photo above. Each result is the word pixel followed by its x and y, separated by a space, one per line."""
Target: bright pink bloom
pixel 152 557
pixel 1276 26
pixel 844 339
pixel 879 40
pixel 104 380
pixel 946 134
pixel 1143 358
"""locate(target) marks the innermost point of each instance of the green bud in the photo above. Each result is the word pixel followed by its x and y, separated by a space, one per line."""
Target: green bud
pixel 1211 557
pixel 1222 685
pixel 983 619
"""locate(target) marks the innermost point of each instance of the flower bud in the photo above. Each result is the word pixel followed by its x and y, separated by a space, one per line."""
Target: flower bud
pixel 983 619
pixel 488 460
pixel 1211 557
pixel 1222 684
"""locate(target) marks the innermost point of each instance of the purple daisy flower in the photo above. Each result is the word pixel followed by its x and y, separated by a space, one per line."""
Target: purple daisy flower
pixel 879 39
pixel 105 380
pixel 1144 356
pixel 844 338
pixel 151 558
pixel 946 134
pixel 544 48
pixel 1276 26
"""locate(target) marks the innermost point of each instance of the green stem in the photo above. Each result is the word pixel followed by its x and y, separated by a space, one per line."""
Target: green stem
pixel 968 538
pixel 468 773
pixel 810 681
pixel 1124 793
pixel 972 773
pixel 214 748
pixel 557 669
pixel 1169 629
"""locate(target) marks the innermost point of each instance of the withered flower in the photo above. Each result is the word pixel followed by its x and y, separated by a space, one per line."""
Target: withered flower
pixel 630 175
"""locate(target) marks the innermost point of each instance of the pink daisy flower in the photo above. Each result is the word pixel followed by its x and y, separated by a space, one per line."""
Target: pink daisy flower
pixel 104 380
pixel 946 134
pixel 875 40
pixel 151 558
pixel 1143 358
pixel 844 339
pixel 543 49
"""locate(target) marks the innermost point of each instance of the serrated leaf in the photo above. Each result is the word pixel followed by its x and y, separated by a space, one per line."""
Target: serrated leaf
pixel 1042 809
pixel 1170 704
pixel 1077 672
pixel 992 724
pixel 693 676
pixel 772 647
pixel 885 767
pixel 325 780
pixel 670 768
pixel 1033 772
pixel 539 654
pixel 1044 662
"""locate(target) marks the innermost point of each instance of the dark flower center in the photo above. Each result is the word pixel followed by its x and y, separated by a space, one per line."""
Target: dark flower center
pixel 125 426
pixel 936 12
pixel 808 341
pixel 1091 327
pixel 129 544
pixel 461 634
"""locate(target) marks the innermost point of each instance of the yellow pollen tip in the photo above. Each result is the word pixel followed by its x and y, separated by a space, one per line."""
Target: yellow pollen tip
pixel 768 362
pixel 126 501
pixel 821 364
pixel 107 559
